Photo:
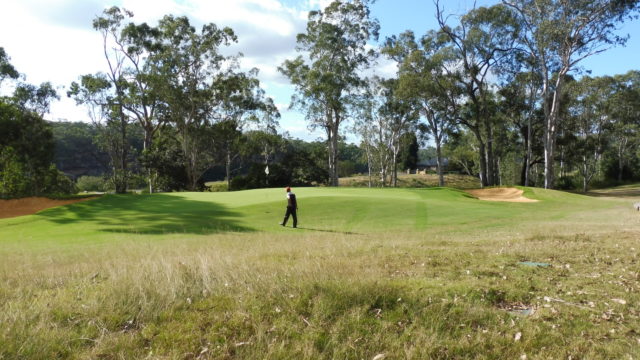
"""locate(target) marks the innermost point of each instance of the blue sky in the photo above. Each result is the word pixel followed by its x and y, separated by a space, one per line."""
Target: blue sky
pixel 52 40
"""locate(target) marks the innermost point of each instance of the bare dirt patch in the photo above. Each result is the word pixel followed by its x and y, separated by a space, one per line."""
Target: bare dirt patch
pixel 31 205
pixel 500 194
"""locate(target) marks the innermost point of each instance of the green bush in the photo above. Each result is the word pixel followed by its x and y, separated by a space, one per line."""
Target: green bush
pixel 217 186
pixel 566 183
pixel 14 181
pixel 17 181
pixel 138 181
pixel 91 183
pixel 55 182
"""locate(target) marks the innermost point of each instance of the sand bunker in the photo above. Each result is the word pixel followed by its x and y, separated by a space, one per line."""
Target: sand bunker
pixel 500 194
pixel 31 205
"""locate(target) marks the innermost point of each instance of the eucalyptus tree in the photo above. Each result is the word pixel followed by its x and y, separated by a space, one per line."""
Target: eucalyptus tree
pixel 105 94
pixel 558 35
pixel 26 151
pixel 35 98
pixel 263 138
pixel 130 50
pixel 105 111
pixel 327 77
pixel 398 116
pixel 624 108
pixel 240 102
pixel 7 70
pixel 409 147
pixel 26 139
pixel 373 131
pixel 589 113
pixel 366 130
pixel 519 105
pixel 482 40
pixel 189 62
pixel 26 96
pixel 423 78
pixel 385 117
pixel 462 152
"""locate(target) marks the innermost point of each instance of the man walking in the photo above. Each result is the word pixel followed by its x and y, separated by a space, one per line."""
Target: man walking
pixel 292 208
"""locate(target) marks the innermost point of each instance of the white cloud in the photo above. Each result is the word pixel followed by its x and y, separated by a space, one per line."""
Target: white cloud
pixel 385 68
pixel 53 40
pixel 282 107
pixel 319 4
pixel 152 12
pixel 63 13
pixel 46 48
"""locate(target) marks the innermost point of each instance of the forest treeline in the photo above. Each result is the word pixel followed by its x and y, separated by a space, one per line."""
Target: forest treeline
pixel 501 95
pixel 79 154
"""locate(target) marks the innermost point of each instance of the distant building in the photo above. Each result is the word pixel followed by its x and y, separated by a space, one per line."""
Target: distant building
pixel 430 165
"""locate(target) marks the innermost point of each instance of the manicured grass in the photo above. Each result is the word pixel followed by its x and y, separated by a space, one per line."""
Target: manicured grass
pixel 408 273
pixel 340 210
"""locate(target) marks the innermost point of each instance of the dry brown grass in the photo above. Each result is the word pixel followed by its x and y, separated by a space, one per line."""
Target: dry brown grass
pixel 416 181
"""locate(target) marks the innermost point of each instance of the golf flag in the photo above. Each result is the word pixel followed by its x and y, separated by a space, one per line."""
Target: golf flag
pixel 266 170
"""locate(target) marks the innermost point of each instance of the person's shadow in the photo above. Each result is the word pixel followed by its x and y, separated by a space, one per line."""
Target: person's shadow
pixel 329 231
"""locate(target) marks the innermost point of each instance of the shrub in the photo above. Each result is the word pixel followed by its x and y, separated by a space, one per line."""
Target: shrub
pixel 566 183
pixel 138 181
pixel 14 181
pixel 17 181
pixel 91 183
pixel 217 186
pixel 55 182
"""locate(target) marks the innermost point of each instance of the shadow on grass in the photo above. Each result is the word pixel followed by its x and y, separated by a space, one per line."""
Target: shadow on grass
pixel 622 193
pixel 149 214
pixel 329 231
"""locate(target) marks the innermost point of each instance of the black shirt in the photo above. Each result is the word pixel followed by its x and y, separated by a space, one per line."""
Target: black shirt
pixel 291 200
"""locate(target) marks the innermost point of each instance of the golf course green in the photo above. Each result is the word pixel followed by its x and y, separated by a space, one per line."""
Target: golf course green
pixel 369 273
pixel 340 210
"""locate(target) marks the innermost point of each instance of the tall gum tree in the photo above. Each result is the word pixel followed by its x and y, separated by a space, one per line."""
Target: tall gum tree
pixel 422 77
pixel 7 70
pixel 190 63
pixel 123 93
pixel 624 107
pixel 133 46
pixel 518 103
pixel 384 119
pixel 483 39
pixel 105 95
pixel 558 34
pixel 95 91
pixel 399 115
pixel 335 47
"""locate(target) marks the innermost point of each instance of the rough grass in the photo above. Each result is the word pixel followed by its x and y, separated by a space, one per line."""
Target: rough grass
pixel 416 181
pixel 405 273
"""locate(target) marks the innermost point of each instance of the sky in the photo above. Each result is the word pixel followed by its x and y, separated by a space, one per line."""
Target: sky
pixel 53 40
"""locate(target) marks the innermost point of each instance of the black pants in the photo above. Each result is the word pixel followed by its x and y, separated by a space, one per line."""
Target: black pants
pixel 290 211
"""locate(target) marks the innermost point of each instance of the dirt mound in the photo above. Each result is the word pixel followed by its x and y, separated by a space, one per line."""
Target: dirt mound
pixel 500 194
pixel 31 205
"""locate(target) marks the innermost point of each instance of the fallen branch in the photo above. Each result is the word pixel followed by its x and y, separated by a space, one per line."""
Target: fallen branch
pixel 549 299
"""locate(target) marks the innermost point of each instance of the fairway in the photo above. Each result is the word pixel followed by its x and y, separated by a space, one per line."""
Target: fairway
pixel 406 273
